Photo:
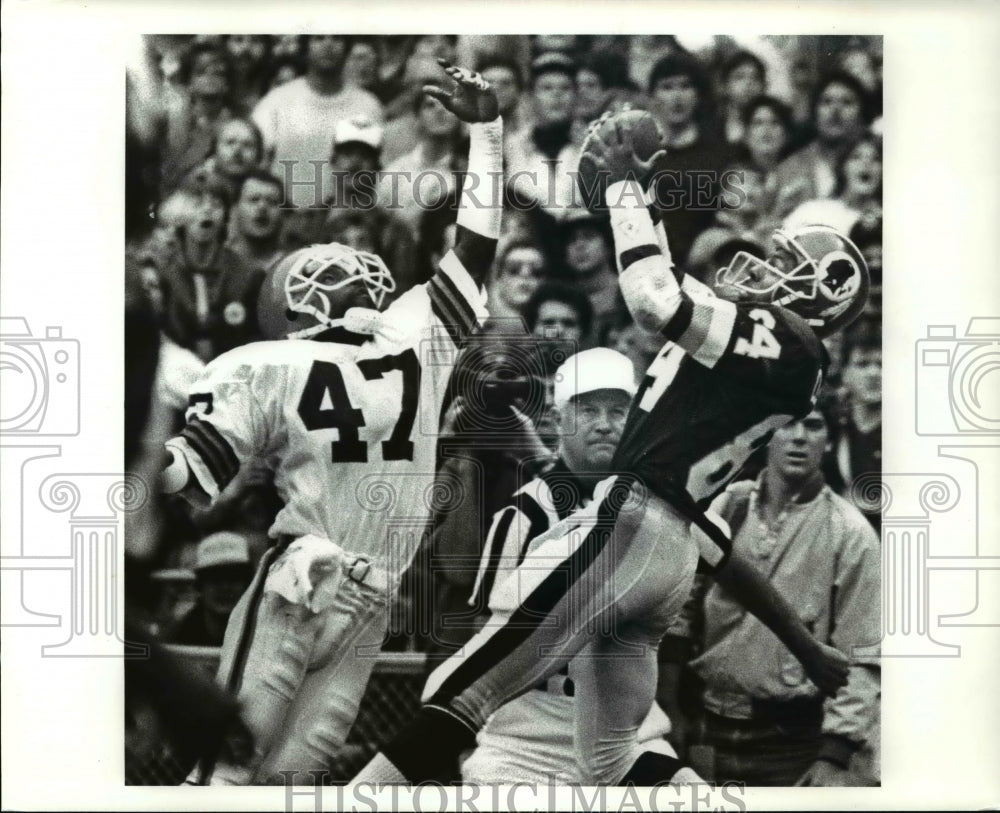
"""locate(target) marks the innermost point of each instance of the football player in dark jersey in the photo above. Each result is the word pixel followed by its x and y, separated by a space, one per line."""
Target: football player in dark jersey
pixel 605 584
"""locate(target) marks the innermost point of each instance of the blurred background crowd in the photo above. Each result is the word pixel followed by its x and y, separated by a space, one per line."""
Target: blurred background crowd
pixel 243 148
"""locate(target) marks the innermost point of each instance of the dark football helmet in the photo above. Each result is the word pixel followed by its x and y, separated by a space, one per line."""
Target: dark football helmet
pixel 815 271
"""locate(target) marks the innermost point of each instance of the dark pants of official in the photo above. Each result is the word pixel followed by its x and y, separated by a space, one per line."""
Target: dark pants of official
pixel 759 753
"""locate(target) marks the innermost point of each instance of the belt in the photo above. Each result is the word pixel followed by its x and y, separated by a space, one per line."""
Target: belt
pixel 360 569
pixel 764 711
pixel 356 567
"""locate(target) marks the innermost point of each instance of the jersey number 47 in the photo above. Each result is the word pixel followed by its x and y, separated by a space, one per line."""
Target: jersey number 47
pixel 325 404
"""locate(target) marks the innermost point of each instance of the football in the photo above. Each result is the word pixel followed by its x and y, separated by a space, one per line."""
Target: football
pixel 647 140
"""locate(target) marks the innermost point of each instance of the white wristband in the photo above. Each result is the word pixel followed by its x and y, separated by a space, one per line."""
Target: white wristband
pixel 482 193
pixel 630 221
pixel 661 231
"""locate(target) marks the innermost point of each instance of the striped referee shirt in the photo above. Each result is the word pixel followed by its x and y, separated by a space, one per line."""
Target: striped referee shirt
pixel 535 508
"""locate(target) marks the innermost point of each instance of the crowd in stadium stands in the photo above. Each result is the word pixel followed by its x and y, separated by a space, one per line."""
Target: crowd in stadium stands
pixel 243 148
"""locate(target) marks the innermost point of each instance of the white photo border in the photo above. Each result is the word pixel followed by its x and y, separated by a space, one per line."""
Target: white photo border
pixel 62 262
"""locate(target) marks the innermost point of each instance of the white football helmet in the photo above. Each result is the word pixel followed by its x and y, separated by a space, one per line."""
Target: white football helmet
pixel 295 300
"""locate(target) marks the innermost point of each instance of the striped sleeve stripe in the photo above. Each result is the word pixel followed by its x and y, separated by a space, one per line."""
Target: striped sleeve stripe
pixel 538 521
pixel 205 453
pixel 680 321
pixel 443 308
pixel 532 611
pixel 497 545
pixel 707 336
pixel 451 305
pixel 230 462
pixel 213 449
pixel 632 255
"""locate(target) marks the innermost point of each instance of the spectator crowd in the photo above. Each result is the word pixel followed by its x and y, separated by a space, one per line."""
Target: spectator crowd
pixel 243 148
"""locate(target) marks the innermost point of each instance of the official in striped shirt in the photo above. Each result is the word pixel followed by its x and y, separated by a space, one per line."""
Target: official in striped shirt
pixel 530 739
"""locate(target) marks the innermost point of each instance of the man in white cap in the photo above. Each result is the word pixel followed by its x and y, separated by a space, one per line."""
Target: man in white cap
pixel 222 572
pixel 355 164
pixel 530 739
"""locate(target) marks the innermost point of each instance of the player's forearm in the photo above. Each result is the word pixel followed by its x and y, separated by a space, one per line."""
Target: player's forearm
pixel 480 207
pixel 648 285
pixel 661 238
pixel 752 589
pixel 457 530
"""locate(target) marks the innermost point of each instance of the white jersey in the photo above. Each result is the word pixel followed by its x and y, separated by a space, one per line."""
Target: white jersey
pixel 349 430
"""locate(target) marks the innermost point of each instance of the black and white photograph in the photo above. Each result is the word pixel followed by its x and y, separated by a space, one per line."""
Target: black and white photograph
pixel 494 420
pixel 419 302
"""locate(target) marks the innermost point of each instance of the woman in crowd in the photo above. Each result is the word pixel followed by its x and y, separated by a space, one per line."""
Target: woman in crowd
pixel 238 149
pixel 857 194
pixel 767 132
pixel 744 78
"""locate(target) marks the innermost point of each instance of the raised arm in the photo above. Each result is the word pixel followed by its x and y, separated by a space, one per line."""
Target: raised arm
pixel 650 286
pixel 478 227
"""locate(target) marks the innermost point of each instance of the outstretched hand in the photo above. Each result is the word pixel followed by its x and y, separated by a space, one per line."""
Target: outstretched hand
pixel 612 150
pixel 471 98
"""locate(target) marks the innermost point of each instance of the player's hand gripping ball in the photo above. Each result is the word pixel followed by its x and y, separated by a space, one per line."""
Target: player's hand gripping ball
pixel 635 127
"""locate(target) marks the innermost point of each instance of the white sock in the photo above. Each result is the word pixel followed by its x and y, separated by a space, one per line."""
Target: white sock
pixel 380 771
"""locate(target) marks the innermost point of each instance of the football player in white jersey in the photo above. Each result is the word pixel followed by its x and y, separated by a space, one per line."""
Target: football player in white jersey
pixel 336 418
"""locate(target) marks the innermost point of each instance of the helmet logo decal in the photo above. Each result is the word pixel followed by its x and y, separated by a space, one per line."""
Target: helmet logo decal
pixel 838 275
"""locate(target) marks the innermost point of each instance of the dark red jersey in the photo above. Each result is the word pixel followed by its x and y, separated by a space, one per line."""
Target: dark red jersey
pixel 727 378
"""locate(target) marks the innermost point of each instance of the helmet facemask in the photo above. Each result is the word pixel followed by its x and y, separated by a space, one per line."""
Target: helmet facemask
pixel 827 285
pixel 307 293
pixel 765 282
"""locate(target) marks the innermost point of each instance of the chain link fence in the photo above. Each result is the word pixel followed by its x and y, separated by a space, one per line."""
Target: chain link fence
pixel 392 698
